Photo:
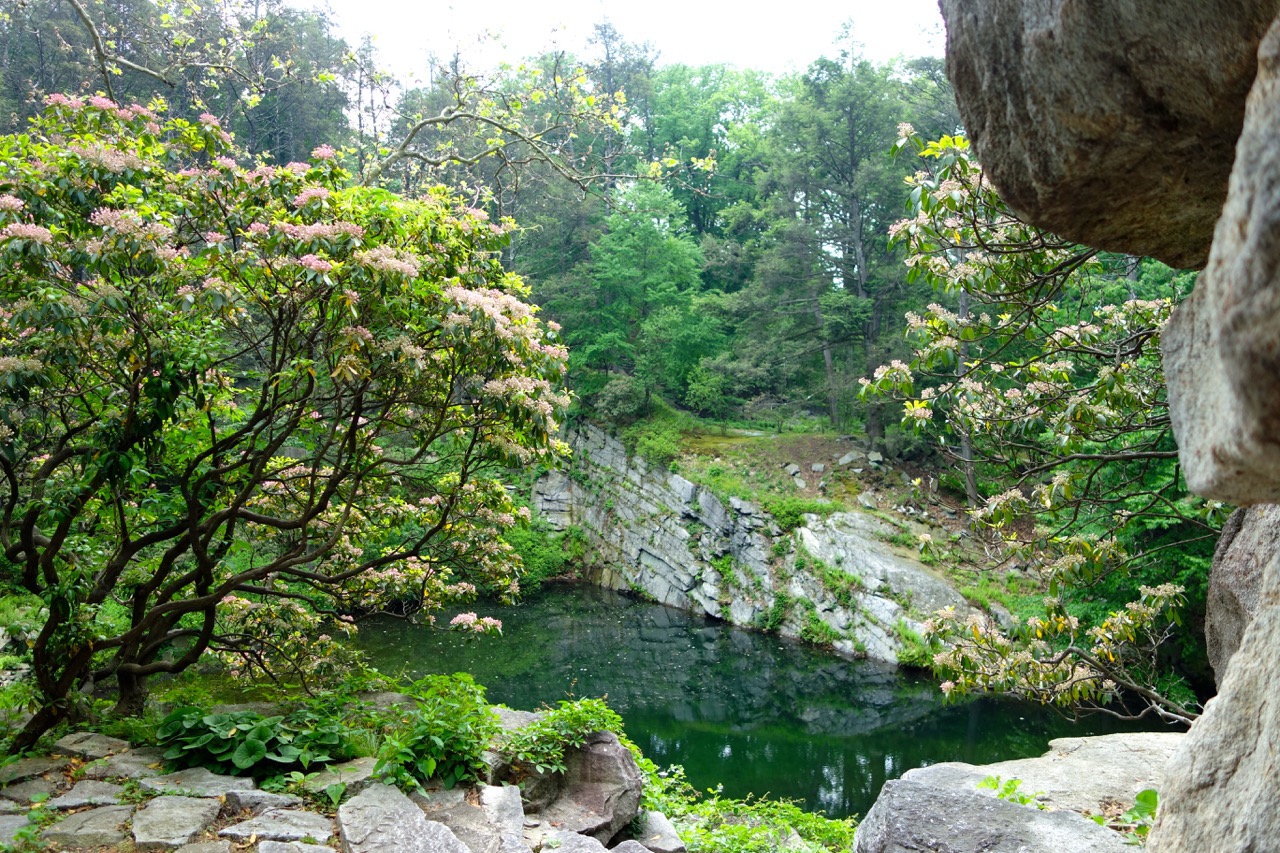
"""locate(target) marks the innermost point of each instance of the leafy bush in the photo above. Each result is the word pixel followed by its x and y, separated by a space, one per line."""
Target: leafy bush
pixel 620 402
pixel 444 738
pixel 543 553
pixel 789 512
pixel 244 743
pixel 915 652
pixel 815 631
pixel 543 743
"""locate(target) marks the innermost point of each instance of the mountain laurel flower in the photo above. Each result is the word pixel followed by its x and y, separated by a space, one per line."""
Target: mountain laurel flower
pixel 310 194
pixel 315 263
pixel 213 238
pixel 210 120
pixel 323 152
pixel 10 203
pixel 26 231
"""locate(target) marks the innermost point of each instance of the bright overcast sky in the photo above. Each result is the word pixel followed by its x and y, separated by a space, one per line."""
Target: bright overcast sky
pixel 781 36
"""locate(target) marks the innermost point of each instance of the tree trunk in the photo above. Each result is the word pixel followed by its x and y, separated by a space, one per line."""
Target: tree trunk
pixel 133 694
pixel 828 361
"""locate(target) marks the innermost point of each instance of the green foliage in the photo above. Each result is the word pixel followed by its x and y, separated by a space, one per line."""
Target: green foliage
pixel 778 612
pixel 1137 820
pixel 712 823
pixel 545 553
pixel 842 585
pixel 814 630
pixel 789 511
pixel 1009 790
pixel 915 652
pixel 541 744
pixel 621 401
pixel 444 738
pixel 244 743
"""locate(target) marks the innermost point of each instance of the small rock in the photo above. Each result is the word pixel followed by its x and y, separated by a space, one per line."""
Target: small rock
pixel 198 782
pixel 356 775
pixel 136 763
pixel 9 826
pixel 27 790
pixel 817 468
pixel 381 818
pixel 98 827
pixel 659 835
pixel 172 821
pixel 800 483
pixel 281 825
pixel 208 847
pixel 601 789
pixel 875 457
pixel 28 768
pixel 562 841
pixel 10 807
pixel 292 847
pixel 631 847
pixel 792 469
pixel 90 745
pixel 259 801
pixel 868 500
pixel 849 458
pixel 88 793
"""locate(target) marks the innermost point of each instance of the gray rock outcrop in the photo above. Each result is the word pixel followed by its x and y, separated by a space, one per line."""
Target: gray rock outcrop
pixel 911 816
pixel 1248 540
pixel 1086 114
pixel 381 818
pixel 1113 124
pixel 1081 774
pixel 168 822
pixel 602 788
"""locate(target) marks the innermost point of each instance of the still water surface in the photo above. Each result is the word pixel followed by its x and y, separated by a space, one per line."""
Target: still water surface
pixel 755 713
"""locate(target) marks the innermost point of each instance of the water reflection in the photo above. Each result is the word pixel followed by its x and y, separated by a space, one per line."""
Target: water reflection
pixel 752 712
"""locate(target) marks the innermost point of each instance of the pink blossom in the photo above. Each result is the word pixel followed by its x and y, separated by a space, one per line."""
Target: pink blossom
pixel 213 238
pixel 24 231
pixel 210 120
pixel 310 194
pixel 102 103
pixel 323 152
pixel 314 262
pixel 57 99
pixel 11 203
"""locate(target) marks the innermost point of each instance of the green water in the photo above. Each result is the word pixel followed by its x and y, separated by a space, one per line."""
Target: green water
pixel 754 713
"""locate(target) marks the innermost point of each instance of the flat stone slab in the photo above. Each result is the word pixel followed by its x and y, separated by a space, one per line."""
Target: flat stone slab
pixel 382 818
pixel 9 826
pixel 173 821
pixel 206 847
pixel 259 801
pixel 563 841
pixel 10 807
pixel 282 825
pixel 356 775
pixel 26 790
pixel 90 745
pixel 630 846
pixel 137 763
pixel 88 793
pixel 292 847
pixel 197 782
pixel 100 827
pixel 29 768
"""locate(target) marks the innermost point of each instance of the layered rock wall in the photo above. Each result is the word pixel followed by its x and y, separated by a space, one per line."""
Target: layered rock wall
pixel 656 533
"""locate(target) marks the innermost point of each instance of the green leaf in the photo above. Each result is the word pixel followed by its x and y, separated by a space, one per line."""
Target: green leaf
pixel 249 753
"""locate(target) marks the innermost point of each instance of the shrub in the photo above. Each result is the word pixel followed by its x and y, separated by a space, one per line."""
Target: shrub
pixel 445 737
pixel 789 512
pixel 245 743
pixel 543 743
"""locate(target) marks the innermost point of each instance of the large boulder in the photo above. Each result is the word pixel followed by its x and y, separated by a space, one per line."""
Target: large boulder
pixel 1248 540
pixel 601 793
pixel 1113 124
pixel 911 816
pixel 1222 345
pixel 1220 791
pixel 1082 774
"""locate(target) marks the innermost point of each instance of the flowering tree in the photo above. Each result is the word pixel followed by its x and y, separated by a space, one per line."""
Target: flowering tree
pixel 1042 372
pixel 224 387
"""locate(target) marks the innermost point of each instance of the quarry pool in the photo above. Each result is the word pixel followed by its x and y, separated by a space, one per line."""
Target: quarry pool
pixel 754 713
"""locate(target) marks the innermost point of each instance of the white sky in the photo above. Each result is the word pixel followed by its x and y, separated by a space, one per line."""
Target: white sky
pixel 783 35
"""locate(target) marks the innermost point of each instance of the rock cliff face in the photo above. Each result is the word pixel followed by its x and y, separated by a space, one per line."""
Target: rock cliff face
pixel 1115 124
pixel 661 535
